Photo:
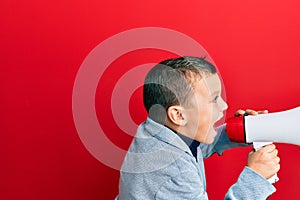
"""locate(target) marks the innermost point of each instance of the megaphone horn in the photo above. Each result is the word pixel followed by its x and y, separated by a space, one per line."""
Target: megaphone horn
pixel 264 129
pixel 282 127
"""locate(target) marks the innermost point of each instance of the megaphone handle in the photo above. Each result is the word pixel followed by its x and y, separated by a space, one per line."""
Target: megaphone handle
pixel 259 145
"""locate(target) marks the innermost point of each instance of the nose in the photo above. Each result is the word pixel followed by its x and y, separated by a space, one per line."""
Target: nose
pixel 222 105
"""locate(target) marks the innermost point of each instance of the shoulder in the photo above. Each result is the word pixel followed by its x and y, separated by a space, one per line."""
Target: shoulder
pixel 160 174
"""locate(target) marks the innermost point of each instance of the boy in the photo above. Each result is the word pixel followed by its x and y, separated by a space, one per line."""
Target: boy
pixel 165 160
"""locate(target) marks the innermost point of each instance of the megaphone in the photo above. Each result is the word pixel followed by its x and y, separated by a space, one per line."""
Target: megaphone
pixel 282 127
pixel 264 129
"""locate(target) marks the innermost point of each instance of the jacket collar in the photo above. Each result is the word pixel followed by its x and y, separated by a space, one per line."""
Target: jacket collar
pixel 166 135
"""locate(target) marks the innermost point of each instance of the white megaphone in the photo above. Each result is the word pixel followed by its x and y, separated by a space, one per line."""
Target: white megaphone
pixel 264 129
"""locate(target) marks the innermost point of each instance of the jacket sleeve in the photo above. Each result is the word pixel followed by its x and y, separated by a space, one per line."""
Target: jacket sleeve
pixel 250 185
pixel 185 185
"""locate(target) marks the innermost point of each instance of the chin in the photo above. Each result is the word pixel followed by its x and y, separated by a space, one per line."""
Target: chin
pixel 211 136
pixel 209 141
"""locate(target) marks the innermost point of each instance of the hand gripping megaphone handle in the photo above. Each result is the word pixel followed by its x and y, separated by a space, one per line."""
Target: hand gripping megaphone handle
pixel 259 145
pixel 236 132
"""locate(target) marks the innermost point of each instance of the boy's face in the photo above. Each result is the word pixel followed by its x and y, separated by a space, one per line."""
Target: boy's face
pixel 206 109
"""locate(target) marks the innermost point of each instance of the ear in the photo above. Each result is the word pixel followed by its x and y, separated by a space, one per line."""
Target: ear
pixel 176 115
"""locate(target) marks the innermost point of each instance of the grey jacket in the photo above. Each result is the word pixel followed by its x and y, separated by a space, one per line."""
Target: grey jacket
pixel 159 165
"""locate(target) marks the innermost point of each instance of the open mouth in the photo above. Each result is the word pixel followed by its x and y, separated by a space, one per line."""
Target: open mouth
pixel 215 124
pixel 219 118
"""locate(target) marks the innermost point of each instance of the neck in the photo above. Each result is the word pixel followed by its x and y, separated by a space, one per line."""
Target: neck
pixel 178 129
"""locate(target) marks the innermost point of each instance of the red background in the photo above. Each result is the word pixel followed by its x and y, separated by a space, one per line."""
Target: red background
pixel 255 45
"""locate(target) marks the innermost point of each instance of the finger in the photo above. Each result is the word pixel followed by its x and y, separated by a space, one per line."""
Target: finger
pixel 277 160
pixel 262 111
pixel 252 151
pixel 275 153
pixel 239 112
pixel 268 148
pixel 278 167
pixel 251 112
